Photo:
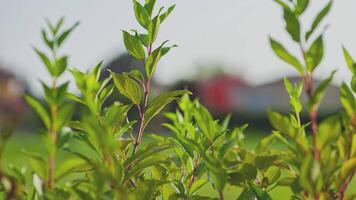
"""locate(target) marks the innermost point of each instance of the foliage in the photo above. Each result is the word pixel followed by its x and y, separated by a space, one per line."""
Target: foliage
pixel 111 156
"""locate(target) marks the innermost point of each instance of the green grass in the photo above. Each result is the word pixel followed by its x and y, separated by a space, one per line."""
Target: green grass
pixel 29 142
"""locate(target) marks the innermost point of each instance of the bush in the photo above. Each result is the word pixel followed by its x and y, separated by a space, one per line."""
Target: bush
pixel 112 157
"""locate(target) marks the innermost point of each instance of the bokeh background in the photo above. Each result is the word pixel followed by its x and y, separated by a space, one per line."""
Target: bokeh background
pixel 223 55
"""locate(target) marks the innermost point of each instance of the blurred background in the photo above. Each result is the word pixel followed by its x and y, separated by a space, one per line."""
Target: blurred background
pixel 223 55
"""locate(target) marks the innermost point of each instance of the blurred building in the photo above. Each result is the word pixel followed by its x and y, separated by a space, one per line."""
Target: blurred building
pixel 224 93
pixel 12 106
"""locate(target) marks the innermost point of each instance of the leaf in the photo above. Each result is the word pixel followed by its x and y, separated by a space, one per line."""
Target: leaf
pixel 151 160
pixel 319 92
pixel 353 83
pixel 301 6
pixel 286 181
pixel 348 100
pixel 154 57
pixel 260 194
pixel 292 24
pixel 197 185
pixel 40 110
pixel 153 28
pixel 347 168
pixel 46 61
pixel 265 143
pixel 149 6
pixel 160 102
pixel 133 45
pixel 141 14
pixel 37 163
pixel 60 66
pixel 246 194
pixel 263 162
pixel 64 115
pixel 58 26
pixel 137 75
pixel 167 13
pixel 70 166
pixel 145 152
pixel 281 123
pixel 127 87
pixel 283 54
pixel 63 36
pixel 45 38
pixel 349 60
pixel 315 54
pixel 310 176
pixel 273 174
pixel 249 171
pixel 318 19
pixel 283 4
pixel 328 132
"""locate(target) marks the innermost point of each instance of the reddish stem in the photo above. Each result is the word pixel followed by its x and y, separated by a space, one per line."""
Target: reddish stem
pixel 344 187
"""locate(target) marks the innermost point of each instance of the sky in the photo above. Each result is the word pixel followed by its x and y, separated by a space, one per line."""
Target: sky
pixel 231 33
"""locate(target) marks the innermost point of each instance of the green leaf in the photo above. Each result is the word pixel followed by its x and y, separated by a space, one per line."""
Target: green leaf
pixel 133 45
pixel 281 123
pixel 319 92
pixel 197 185
pixel 63 36
pixel 353 83
pixel 318 19
pixel 153 29
pixel 328 131
pixel 70 166
pixel 246 194
pixel 58 26
pixel 64 115
pixel 160 102
pixel 260 194
pixel 37 163
pixel 283 4
pixel 283 54
pixel 249 171
pixel 292 24
pixel 286 181
pixel 301 6
pixel 46 61
pixel 273 174
pixel 60 66
pixel 150 4
pixel 349 61
pixel 127 87
pixel 141 14
pixel 137 75
pixel 265 143
pixel 315 54
pixel 40 110
pixel 348 100
pixel 310 176
pixel 346 170
pixel 167 13
pixel 49 43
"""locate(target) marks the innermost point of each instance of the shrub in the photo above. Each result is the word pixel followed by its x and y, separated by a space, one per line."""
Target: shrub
pixel 110 156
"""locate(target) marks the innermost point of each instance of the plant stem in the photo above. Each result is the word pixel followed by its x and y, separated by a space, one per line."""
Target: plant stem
pixel 53 141
pixel 313 113
pixel 221 195
pixel 345 186
pixel 146 87
pixel 142 116
pixel 193 176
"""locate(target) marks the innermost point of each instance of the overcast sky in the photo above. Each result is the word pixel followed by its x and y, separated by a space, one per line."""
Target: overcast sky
pixel 233 33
